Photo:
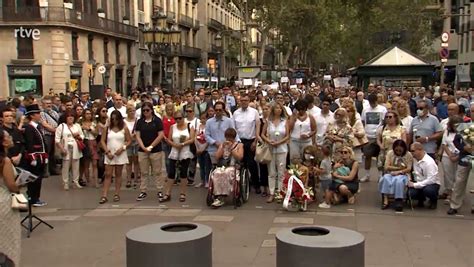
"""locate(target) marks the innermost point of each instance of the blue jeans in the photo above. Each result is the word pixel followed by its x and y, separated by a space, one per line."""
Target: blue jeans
pixel 393 185
pixel 167 149
pixel 430 191
pixel 205 166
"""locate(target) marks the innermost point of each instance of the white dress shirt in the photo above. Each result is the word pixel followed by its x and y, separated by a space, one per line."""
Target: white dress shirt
pixel 426 172
pixel 322 122
pixel 245 122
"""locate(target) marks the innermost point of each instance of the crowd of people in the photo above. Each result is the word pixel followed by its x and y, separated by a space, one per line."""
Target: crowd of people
pixel 164 139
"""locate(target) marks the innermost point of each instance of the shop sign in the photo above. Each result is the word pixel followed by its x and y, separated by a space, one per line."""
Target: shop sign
pixel 24 70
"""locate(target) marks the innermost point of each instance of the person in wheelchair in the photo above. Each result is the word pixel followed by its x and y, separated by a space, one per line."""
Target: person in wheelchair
pixel 398 166
pixel 228 155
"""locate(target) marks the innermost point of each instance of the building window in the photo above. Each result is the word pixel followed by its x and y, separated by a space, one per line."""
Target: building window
pixel 141 6
pixel 90 46
pixel 472 40
pixel 75 49
pixel 127 9
pixel 141 37
pixel 25 47
pixel 129 54
pixel 88 6
pixel 78 5
pixel 117 52
pixel 106 50
pixel 104 6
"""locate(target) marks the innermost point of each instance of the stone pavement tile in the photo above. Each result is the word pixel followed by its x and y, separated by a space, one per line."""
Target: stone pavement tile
pixel 266 257
pixel 274 230
pixel 269 243
pixel 375 223
pixel 336 214
pixel 386 249
pixel 295 220
pixel 344 222
pixel 213 218
pixel 140 211
pixel 60 218
pixel 105 212
pixel 180 212
pixel 116 206
pixel 44 210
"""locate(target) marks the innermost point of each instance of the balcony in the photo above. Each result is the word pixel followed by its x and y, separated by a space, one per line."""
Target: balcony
pixel 186 21
pixel 186 51
pixel 171 17
pixel 197 25
pixel 60 16
pixel 216 25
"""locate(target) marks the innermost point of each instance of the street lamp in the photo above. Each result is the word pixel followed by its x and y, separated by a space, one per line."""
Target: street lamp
pixel 160 39
pixel 220 56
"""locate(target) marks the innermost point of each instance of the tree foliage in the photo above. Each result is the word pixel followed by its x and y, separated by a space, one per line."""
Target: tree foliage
pixel 344 31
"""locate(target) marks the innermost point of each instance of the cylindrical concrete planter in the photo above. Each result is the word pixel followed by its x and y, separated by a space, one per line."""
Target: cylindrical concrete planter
pixel 319 246
pixel 170 245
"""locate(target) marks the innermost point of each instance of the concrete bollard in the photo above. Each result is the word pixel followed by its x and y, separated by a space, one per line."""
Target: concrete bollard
pixel 170 245
pixel 319 246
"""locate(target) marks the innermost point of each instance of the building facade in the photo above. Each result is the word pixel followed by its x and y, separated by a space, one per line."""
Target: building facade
pixel 62 45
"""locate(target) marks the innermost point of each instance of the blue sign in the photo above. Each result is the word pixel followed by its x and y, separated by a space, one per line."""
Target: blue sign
pixel 201 71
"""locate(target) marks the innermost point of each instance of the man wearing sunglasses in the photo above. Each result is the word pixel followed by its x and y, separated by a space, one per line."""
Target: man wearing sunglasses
pixel 215 128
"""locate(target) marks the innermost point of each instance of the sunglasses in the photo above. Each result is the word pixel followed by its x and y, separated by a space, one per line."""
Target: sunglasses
pixel 389 117
pixel 178 118
pixel 189 111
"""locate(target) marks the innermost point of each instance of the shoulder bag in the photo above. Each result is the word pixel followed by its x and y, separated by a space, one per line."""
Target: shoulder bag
pixel 263 153
pixel 19 202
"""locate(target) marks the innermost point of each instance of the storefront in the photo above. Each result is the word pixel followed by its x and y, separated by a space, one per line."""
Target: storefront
pixel 395 68
pixel 75 81
pixel 25 80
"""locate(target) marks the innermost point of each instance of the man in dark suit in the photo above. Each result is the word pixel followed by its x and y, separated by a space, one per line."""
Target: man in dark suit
pixel 35 158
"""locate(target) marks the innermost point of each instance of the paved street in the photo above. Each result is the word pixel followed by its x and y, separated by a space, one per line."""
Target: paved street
pixel 87 234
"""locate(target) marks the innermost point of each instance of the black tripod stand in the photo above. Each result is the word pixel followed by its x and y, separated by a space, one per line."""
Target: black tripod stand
pixel 29 221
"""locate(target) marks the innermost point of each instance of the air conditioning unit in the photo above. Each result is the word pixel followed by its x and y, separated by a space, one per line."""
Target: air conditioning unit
pixel 141 17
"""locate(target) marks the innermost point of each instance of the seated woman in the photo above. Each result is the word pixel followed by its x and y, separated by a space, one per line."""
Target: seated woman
pixel 345 180
pixel 398 164
pixel 228 154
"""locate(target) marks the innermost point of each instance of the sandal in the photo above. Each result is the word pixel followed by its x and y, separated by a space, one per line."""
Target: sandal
pixel 165 198
pixel 116 198
pixel 351 200
pixel 103 200
pixel 182 198
pixel 129 184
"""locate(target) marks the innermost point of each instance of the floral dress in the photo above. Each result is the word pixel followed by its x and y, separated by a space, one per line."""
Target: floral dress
pixel 223 177
pixel 343 131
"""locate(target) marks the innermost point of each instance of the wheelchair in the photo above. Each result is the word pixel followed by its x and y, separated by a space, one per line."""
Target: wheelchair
pixel 240 186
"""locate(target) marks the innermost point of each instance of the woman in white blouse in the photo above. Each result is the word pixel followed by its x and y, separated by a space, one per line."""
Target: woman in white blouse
pixel 276 135
pixel 449 156
pixel 67 135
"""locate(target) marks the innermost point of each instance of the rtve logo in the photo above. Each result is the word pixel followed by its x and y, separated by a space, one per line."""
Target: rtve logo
pixel 27 33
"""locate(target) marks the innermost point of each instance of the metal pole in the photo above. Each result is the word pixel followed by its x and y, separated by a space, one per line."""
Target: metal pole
pixel 224 72
pixel 446 28
pixel 219 59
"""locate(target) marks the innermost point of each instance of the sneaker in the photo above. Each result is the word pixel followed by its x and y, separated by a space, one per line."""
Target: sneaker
pixel 217 203
pixel 324 205
pixel 175 182
pixel 471 191
pixel 207 185
pixel 190 183
pixel 40 203
pixel 198 185
pixel 452 211
pixel 160 195
pixel 142 196
pixel 66 187
pixel 365 179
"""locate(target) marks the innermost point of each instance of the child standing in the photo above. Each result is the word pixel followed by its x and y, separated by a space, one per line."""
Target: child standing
pixel 324 171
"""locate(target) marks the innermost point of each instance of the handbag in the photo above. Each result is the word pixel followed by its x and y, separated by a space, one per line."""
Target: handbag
pixel 263 154
pixel 19 202
pixel 192 146
pixel 80 143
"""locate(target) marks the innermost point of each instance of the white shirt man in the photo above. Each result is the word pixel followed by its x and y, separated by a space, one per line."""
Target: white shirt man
pixel 118 105
pixel 246 122
pixel 372 118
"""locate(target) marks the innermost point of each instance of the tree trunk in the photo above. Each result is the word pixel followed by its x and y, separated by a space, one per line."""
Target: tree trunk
pixel 288 54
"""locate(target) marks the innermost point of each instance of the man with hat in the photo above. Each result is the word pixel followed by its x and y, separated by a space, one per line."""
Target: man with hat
pixel 35 158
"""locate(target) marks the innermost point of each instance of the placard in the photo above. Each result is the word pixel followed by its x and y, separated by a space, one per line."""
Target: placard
pixel 327 77
pixel 299 80
pixel 284 79
pixel 248 82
